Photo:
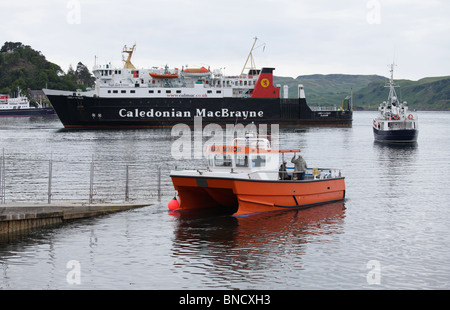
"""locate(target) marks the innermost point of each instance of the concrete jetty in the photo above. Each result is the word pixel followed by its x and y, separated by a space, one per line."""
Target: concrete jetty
pixel 20 216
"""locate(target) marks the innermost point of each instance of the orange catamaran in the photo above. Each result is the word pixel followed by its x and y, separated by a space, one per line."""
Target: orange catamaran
pixel 244 178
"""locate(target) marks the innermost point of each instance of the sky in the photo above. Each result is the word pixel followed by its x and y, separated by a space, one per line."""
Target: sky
pixel 296 37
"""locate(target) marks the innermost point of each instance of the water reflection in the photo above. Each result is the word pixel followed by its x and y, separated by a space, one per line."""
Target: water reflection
pixel 228 248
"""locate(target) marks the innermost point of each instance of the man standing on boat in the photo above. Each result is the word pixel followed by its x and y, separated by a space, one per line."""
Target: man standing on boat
pixel 299 167
pixel 282 174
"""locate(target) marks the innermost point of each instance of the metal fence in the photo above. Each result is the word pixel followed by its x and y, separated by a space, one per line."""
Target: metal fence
pixel 36 179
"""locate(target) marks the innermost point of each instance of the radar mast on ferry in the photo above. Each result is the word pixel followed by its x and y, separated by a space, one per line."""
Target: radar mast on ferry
pixel 128 64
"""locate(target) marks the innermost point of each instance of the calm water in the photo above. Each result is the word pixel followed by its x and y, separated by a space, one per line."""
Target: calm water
pixel 391 232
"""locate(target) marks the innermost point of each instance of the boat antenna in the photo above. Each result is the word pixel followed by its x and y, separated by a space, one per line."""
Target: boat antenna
pixel 392 86
pixel 128 64
pixel 250 57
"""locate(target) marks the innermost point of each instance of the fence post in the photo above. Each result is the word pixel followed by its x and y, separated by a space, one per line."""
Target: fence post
pixel 50 174
pixel 2 178
pixel 159 184
pixel 126 186
pixel 91 186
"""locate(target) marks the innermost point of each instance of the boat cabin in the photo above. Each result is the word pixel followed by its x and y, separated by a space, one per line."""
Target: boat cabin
pixel 243 154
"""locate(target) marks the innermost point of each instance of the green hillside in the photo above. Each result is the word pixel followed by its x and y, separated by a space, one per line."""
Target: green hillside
pixel 425 94
pixel 23 67
pixel 431 93
pixel 327 90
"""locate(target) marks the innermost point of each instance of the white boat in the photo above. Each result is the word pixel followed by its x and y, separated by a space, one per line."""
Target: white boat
pixel 394 123
pixel 20 106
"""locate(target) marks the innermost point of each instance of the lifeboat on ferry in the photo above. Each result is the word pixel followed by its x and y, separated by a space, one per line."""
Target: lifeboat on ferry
pixel 244 179
pixel 163 75
pixel 196 72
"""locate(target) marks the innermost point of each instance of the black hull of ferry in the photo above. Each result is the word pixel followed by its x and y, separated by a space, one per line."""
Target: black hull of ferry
pixel 396 136
pixel 96 112
pixel 46 111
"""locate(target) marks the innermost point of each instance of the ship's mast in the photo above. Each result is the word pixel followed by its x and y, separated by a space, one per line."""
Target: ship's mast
pixel 392 95
pixel 128 64
pixel 250 56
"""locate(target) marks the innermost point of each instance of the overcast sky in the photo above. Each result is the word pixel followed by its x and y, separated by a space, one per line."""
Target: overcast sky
pixel 297 37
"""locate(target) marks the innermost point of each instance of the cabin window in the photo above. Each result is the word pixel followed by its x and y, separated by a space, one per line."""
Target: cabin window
pixel 178 91
pixel 123 91
pixel 209 91
pixel 150 91
pixel 241 160
pixel 168 91
pixel 218 91
pixel 109 91
pixel 222 160
pixel 132 91
pixel 115 91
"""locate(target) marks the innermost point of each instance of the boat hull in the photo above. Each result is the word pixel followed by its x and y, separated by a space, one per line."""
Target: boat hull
pixel 101 112
pixel 243 197
pixel 395 136
pixel 46 111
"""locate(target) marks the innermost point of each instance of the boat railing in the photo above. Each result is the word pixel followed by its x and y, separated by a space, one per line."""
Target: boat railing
pixel 313 173
pixel 310 174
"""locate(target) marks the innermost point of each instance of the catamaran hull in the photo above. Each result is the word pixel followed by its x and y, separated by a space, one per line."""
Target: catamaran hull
pixel 244 197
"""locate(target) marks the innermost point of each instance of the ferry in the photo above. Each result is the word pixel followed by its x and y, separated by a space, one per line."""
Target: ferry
pixel 162 97
pixel 394 123
pixel 20 106
pixel 244 179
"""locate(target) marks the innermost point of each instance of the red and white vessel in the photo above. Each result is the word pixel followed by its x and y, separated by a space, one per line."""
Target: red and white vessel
pixel 243 179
